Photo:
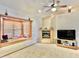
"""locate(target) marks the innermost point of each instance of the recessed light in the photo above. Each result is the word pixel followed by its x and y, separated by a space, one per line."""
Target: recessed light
pixel 39 11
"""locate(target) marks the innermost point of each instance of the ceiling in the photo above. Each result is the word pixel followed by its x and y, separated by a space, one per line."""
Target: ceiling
pixel 31 7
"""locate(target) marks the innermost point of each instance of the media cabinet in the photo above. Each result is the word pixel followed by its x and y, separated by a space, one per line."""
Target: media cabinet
pixel 72 44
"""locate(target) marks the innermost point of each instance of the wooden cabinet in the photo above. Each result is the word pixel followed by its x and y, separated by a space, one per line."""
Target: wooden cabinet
pixel 72 44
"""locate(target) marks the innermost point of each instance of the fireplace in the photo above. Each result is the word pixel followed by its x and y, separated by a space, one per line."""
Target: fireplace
pixel 45 34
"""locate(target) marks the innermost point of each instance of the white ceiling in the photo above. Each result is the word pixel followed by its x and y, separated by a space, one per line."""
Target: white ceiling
pixel 32 6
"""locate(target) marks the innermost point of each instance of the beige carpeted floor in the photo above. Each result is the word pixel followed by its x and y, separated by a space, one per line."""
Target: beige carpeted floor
pixel 45 51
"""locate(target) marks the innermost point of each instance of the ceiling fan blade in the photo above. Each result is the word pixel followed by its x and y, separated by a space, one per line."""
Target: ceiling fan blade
pixel 48 10
pixel 63 6
pixel 46 6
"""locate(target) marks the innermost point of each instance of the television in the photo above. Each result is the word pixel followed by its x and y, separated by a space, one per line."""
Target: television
pixel 66 34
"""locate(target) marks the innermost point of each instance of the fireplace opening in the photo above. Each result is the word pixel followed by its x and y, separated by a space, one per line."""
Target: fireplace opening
pixel 45 34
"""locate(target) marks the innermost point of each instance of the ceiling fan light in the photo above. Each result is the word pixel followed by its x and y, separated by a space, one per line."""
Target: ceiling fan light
pixel 53 9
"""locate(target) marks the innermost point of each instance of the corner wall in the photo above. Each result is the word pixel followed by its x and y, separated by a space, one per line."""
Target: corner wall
pixel 35 30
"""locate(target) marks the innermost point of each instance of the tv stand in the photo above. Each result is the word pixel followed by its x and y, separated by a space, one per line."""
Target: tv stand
pixel 72 44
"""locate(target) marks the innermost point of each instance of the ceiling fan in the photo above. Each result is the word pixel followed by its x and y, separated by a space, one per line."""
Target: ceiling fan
pixel 55 5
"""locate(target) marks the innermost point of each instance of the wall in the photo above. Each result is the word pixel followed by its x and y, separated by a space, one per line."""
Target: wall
pixel 48 22
pixel 36 29
pixel 68 21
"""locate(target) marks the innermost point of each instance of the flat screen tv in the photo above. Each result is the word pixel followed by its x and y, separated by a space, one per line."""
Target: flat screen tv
pixel 66 34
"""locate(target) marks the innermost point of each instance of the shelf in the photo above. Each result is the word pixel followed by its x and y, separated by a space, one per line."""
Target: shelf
pixel 72 44
pixel 71 47
pixel 66 40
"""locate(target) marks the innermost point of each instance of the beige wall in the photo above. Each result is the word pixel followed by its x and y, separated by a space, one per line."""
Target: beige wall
pixel 69 21
pixel 49 23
